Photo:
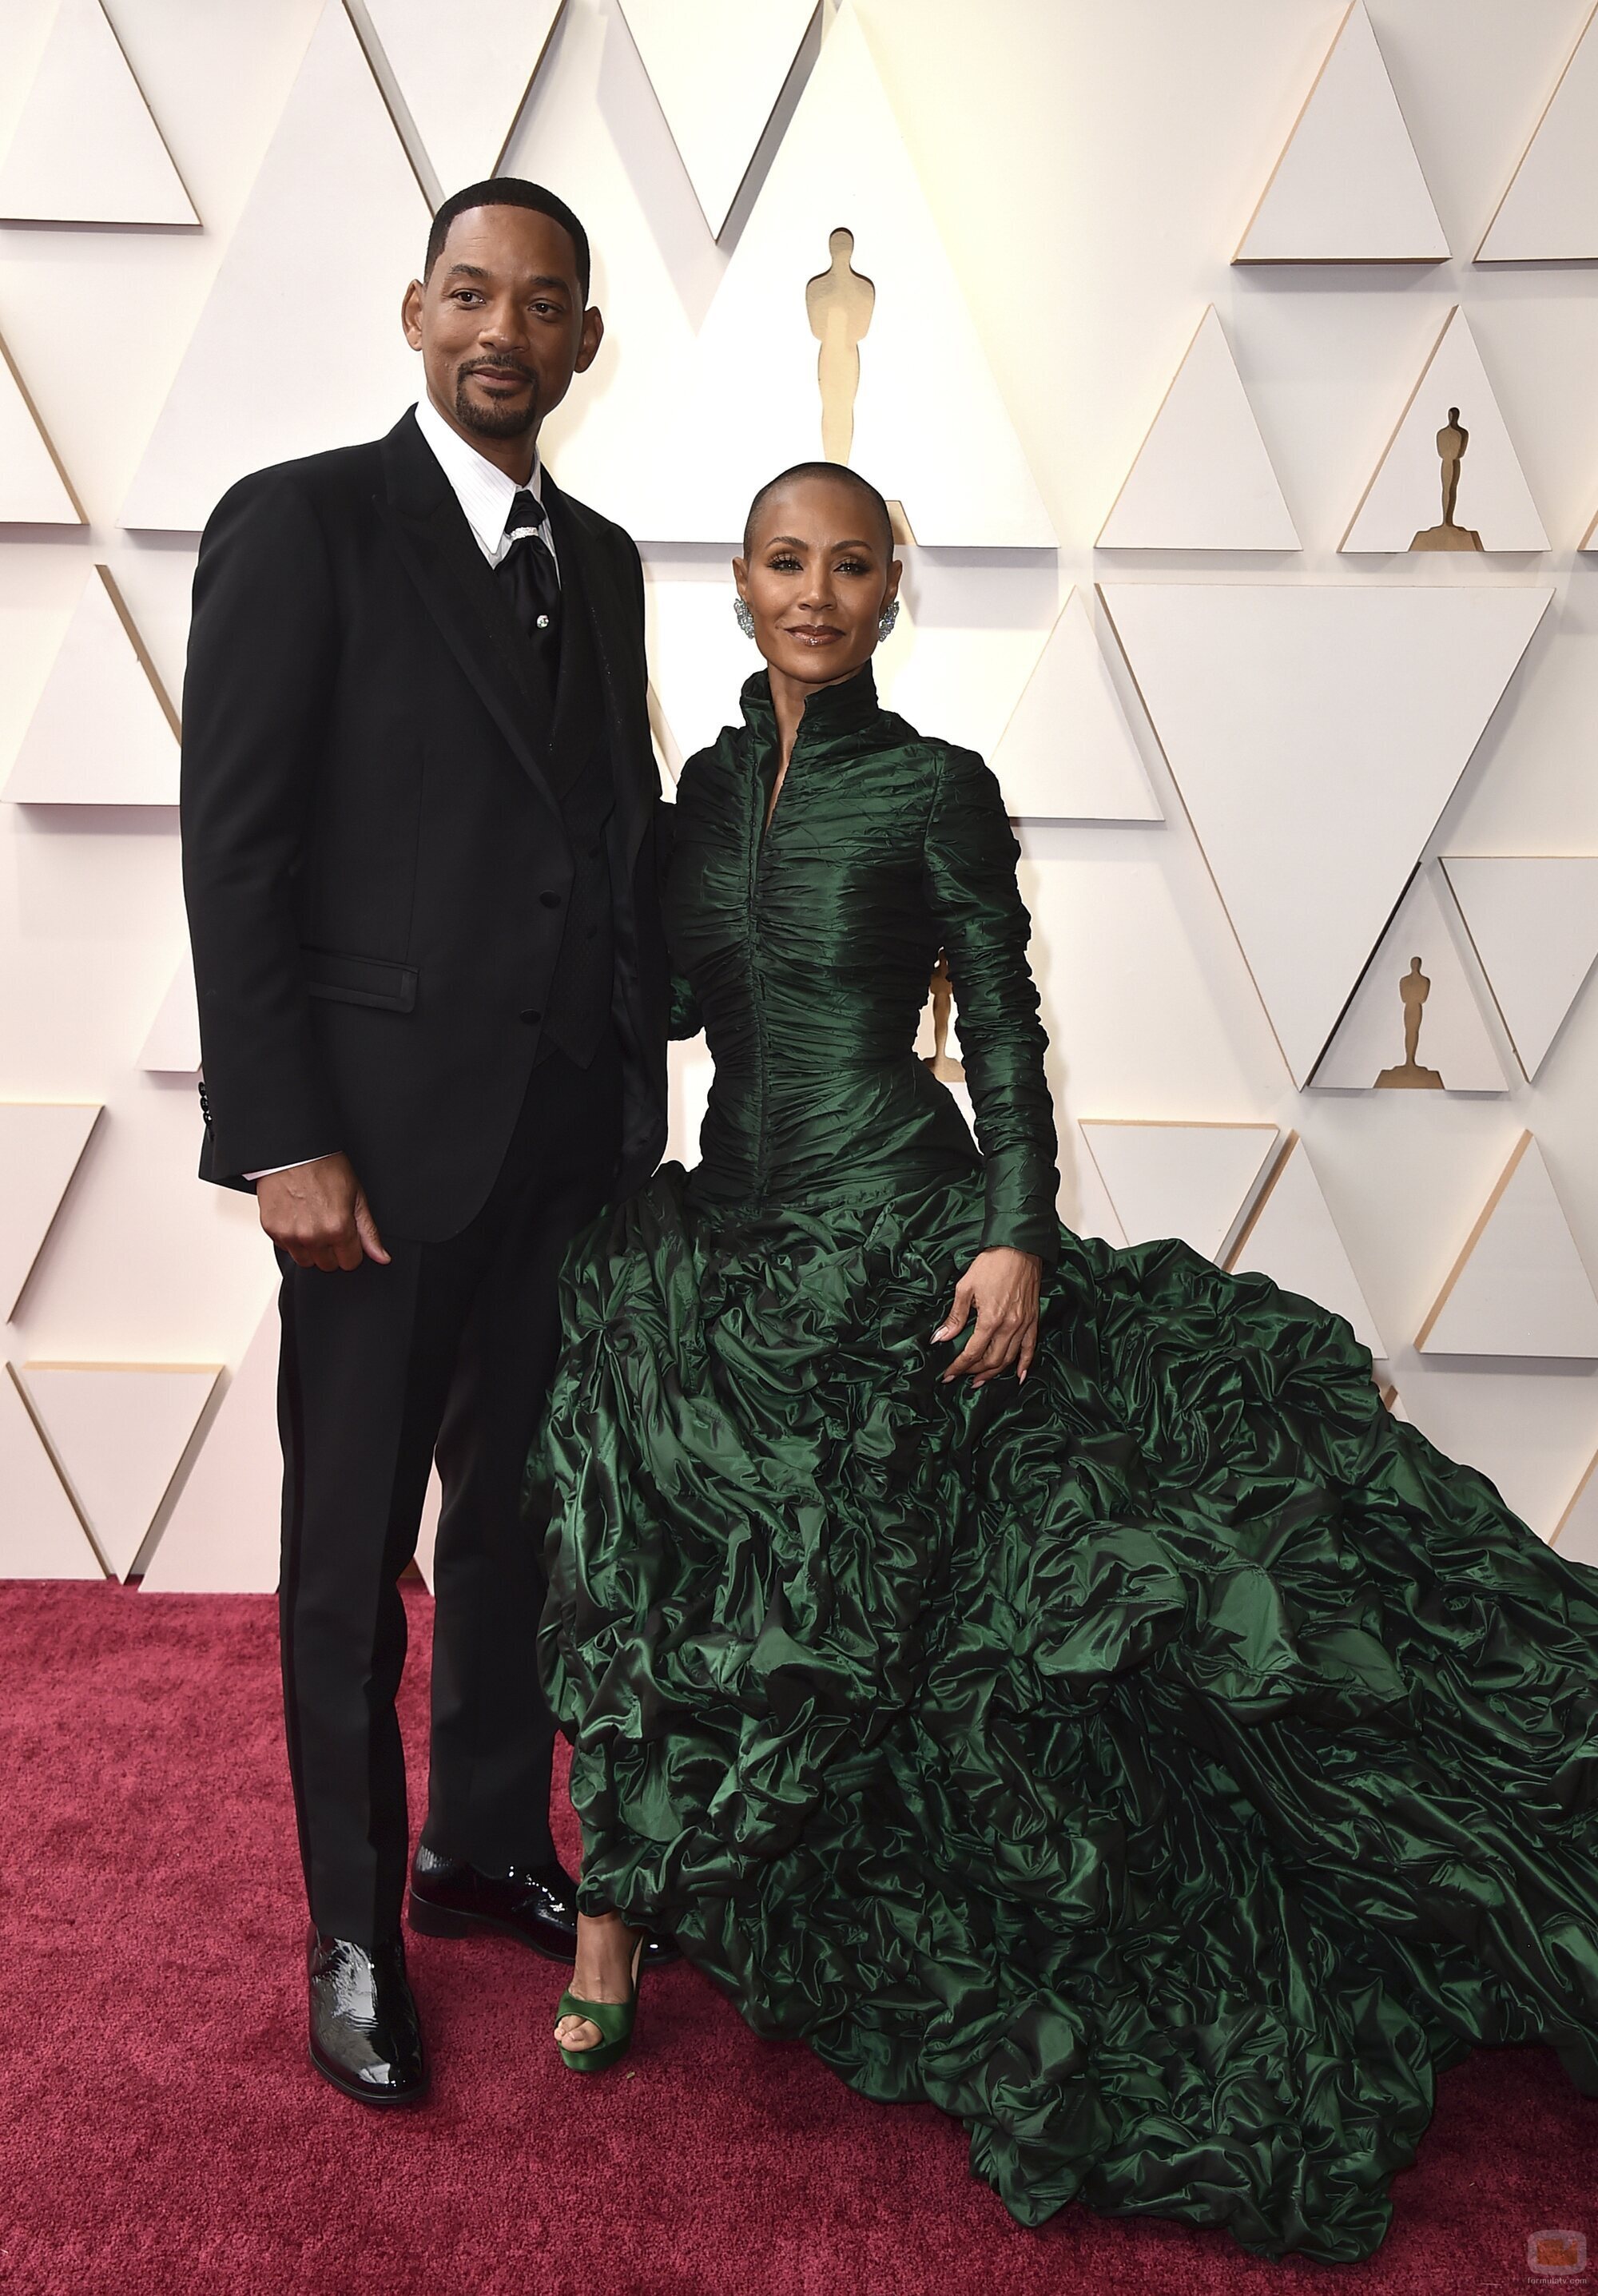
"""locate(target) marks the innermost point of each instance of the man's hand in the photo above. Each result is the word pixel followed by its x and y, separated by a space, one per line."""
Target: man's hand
pixel 318 1214
pixel 1002 1285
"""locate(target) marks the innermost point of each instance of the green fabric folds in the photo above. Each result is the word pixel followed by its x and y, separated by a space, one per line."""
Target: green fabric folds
pixel 1164 1767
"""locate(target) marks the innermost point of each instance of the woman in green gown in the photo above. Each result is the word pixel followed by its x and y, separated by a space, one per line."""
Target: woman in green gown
pixel 1096 1714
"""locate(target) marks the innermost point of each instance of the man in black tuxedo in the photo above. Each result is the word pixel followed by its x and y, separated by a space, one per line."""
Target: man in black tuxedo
pixel 419 815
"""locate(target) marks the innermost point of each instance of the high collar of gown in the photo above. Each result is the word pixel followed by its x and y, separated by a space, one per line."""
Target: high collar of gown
pixel 833 714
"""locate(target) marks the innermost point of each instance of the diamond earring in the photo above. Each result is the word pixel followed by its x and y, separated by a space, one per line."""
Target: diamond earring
pixel 744 617
pixel 888 617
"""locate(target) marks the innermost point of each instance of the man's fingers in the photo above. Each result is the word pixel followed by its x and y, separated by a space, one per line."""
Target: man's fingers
pixel 329 1252
pixel 365 1228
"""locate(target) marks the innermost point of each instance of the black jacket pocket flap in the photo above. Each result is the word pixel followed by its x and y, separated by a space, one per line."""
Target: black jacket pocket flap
pixel 360 980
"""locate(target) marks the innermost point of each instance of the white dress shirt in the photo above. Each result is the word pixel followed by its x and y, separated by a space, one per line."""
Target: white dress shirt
pixel 485 492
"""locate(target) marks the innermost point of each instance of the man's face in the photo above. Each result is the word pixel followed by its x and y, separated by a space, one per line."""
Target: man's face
pixel 499 322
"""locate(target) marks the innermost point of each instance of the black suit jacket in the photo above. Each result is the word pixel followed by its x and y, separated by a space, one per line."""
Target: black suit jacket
pixel 375 860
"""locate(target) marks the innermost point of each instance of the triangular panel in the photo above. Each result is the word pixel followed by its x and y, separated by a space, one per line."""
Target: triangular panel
pixel 697 658
pixel 1202 479
pixel 949 669
pixel 172 1047
pixel 1417 969
pixel 224 1533
pixel 117 1432
pixel 1194 1180
pixel 929 427
pixel 1315 731
pixel 34 488
pixel 41 1143
pixel 457 76
pixel 717 68
pixel 1576 1535
pixel 1550 212
pixel 1533 920
pixel 1291 1236
pixel 1518 1287
pixel 104 731
pixel 1407 505
pixel 1348 188
pixel 335 178
pixel 40 1535
pixel 1085 1204
pixel 86 149
pixel 1067 753
pixel 427 1536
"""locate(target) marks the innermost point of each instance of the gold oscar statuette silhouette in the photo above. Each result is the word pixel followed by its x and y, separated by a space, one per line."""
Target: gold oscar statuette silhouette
pixel 839 302
pixel 943 1065
pixel 1413 989
pixel 1451 444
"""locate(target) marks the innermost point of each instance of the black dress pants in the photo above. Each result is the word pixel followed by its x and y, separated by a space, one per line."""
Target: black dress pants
pixel 449 1350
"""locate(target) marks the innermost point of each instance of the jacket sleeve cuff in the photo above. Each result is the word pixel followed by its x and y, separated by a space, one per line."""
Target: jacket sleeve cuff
pixel 1020 1213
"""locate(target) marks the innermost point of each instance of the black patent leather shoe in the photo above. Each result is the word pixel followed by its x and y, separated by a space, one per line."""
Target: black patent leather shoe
pixel 536 1904
pixel 366 2035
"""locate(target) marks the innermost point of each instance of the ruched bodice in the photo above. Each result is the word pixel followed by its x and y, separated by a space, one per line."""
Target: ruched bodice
pixel 809 944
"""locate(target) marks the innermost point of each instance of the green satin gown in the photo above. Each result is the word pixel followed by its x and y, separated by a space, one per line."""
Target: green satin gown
pixel 1164 1764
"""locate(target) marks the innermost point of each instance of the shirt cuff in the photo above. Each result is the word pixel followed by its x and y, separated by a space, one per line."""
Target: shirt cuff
pixel 297 1166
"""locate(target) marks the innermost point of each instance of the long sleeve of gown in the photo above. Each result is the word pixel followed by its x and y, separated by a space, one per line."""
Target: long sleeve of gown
pixel 686 1018
pixel 970 857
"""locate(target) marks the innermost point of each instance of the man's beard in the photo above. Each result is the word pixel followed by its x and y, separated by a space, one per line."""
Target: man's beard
pixel 496 421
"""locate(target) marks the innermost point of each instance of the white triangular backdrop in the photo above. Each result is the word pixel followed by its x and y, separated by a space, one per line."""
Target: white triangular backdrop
pixel 1533 920
pixel 1549 213
pixel 336 177
pixel 1315 731
pixel 1518 1286
pixel 103 731
pixel 1349 186
pixel 1405 496
pixel 717 68
pixel 1202 479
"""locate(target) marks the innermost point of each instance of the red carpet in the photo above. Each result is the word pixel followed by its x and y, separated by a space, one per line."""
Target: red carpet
pixel 161 2130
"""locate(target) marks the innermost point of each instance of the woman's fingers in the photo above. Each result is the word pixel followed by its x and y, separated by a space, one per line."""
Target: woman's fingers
pixel 959 1314
pixel 989 1348
pixel 1002 1286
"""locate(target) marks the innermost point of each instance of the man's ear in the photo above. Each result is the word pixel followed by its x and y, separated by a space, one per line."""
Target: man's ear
pixel 410 313
pixel 594 335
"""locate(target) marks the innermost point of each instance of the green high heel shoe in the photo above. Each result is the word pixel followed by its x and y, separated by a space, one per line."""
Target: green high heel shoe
pixel 614 2020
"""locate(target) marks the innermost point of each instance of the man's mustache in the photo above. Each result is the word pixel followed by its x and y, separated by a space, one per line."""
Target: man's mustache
pixel 499 366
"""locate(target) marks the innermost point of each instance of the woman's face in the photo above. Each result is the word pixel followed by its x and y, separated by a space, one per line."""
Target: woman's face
pixel 818 574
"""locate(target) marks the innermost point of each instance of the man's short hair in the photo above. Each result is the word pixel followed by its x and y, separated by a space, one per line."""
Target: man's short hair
pixel 510 191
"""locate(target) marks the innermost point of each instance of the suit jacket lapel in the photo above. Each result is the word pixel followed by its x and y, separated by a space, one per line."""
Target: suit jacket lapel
pixel 457 587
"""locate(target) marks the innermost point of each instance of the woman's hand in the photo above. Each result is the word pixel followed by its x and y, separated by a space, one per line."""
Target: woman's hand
pixel 1002 1286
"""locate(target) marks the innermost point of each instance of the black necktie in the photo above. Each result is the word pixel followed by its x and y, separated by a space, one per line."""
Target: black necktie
pixel 533 586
